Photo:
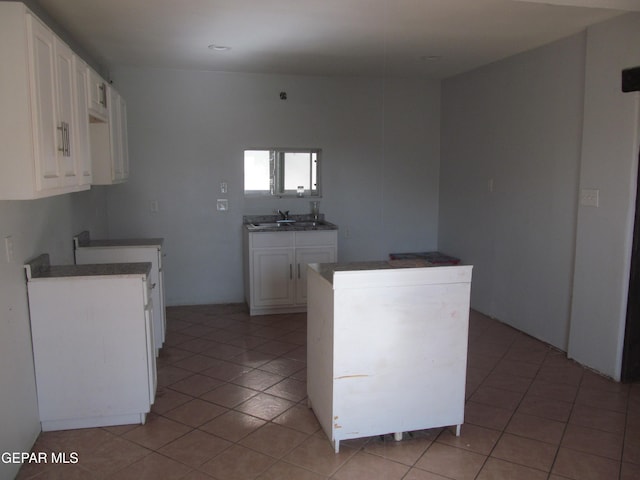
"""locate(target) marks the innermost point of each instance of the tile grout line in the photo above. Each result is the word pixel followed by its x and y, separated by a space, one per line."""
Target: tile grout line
pixel 524 394
pixel 488 456
pixel 270 421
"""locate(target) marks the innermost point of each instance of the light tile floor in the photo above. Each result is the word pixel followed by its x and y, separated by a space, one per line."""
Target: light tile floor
pixel 231 406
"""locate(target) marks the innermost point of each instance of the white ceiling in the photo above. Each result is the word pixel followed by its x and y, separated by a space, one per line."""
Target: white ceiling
pixel 323 37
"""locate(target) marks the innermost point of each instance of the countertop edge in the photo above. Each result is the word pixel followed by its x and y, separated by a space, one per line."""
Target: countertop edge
pixel 329 271
pixel 49 272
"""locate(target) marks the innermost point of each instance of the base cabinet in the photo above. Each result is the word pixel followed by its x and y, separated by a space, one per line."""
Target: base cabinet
pixel 275 267
pixel 93 349
pixel 89 251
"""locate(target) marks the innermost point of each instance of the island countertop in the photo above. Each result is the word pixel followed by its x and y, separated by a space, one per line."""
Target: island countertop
pixel 329 270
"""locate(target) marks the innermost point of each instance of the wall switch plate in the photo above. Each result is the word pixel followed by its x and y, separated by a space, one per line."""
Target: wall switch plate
pixel 153 206
pixel 223 187
pixel 590 197
pixel 222 204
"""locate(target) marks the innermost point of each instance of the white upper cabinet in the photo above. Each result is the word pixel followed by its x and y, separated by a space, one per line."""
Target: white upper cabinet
pixel 109 144
pixel 44 112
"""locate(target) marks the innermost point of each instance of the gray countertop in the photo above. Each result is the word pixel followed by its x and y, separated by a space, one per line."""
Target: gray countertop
pixel 326 270
pixel 124 242
pixel 83 240
pixel 267 223
pixel 40 268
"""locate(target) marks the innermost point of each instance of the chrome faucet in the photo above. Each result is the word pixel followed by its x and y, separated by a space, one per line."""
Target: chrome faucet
pixel 284 215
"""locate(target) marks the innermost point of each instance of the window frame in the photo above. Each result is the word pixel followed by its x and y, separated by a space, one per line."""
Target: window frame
pixel 277 173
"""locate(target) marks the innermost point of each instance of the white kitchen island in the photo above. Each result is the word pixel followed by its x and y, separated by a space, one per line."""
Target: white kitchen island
pixel 386 347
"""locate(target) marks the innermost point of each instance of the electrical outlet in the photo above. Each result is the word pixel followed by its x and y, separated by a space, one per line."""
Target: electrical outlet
pixel 590 197
pixel 153 206
pixel 223 187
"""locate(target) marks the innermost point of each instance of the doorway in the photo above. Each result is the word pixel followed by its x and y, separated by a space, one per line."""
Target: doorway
pixel 631 348
pixel 631 351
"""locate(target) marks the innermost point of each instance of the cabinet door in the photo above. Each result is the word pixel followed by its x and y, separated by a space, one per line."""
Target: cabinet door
pixel 118 136
pixel 109 144
pixel 124 139
pixel 65 74
pixel 47 136
pixel 307 255
pixel 81 144
pixel 273 277
pixel 97 95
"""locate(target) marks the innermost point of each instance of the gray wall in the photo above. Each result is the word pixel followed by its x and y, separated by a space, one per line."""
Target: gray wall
pixel 187 132
pixel 36 226
pixel 610 146
pixel 517 123
pixel 543 125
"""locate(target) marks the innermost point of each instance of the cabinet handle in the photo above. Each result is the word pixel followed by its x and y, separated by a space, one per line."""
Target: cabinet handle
pixel 65 144
pixel 68 139
pixel 103 94
pixel 290 272
pixel 298 271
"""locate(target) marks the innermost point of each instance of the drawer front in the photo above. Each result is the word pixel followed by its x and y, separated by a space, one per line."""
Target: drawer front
pixel 316 237
pixel 271 239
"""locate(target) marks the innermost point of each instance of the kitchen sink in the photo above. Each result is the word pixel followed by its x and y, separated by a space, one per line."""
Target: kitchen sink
pixel 289 225
pixel 310 224
pixel 271 224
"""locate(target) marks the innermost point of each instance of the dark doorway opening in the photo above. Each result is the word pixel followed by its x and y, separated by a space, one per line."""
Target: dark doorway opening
pixel 631 349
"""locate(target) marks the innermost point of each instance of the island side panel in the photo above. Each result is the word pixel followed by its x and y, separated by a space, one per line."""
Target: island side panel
pixel 90 350
pixel 400 352
pixel 320 348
